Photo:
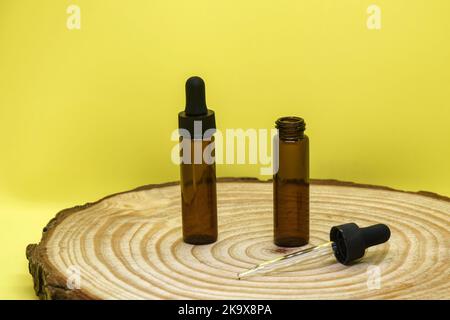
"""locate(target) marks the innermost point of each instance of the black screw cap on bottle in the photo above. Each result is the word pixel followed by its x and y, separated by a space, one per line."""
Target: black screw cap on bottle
pixel 351 241
pixel 196 109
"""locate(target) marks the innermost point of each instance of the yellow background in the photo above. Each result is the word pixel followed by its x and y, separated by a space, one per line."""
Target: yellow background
pixel 85 113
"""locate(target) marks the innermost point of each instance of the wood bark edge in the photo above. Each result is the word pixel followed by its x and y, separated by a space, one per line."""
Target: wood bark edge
pixel 50 284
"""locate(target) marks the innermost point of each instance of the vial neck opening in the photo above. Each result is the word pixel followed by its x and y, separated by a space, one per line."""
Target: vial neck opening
pixel 290 128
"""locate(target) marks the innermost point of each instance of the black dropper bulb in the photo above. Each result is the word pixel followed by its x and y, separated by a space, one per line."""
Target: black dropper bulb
pixel 350 241
pixel 196 113
pixel 195 97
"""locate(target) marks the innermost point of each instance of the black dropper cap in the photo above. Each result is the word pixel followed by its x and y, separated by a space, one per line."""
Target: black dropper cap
pixel 196 110
pixel 351 241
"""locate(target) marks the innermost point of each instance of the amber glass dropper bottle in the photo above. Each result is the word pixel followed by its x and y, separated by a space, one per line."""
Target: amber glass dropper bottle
pixel 291 184
pixel 198 171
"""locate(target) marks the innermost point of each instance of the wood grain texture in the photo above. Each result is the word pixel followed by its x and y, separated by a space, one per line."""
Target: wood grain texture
pixel 129 246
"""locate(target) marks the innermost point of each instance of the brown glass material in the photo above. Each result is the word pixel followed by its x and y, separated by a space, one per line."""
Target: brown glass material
pixel 198 198
pixel 291 184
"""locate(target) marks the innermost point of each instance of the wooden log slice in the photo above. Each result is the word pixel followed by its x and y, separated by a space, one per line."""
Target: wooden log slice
pixel 129 246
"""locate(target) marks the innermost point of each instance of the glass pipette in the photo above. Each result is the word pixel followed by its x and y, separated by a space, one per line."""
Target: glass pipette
pixel 288 260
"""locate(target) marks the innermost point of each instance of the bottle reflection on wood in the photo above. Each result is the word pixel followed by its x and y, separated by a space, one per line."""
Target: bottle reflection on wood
pixel 291 184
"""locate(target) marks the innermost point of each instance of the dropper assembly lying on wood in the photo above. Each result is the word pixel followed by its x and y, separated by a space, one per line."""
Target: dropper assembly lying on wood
pixel 348 243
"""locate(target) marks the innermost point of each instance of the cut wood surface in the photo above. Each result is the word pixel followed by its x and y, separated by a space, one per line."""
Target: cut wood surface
pixel 129 246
